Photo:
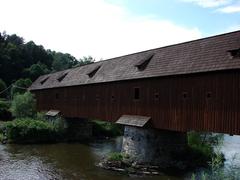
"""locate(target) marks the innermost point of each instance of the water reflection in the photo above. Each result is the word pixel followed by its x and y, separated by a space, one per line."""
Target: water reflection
pixel 59 161
pixel 230 148
pixel 73 161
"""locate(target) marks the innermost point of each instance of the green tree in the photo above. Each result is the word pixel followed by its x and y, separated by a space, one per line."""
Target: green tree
pixel 85 60
pixel 14 39
pixel 35 53
pixel 17 56
pixel 19 59
pixel 23 105
pixel 20 86
pixel 62 61
pixel 36 70
pixel 3 86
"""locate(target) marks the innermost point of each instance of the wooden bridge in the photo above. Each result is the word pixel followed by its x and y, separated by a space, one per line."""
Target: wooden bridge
pixel 188 86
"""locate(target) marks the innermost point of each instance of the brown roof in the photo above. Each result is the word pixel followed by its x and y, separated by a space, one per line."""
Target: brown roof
pixel 203 55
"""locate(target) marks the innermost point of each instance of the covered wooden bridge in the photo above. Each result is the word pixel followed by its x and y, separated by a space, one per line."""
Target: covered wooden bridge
pixel 187 86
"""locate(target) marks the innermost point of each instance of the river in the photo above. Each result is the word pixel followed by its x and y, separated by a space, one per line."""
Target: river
pixel 73 160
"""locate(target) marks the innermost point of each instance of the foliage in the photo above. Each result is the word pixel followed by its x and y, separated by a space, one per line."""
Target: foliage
pixel 36 70
pixel 59 124
pixel 1 137
pixel 203 143
pixel 117 156
pixel 19 87
pixel 101 128
pixel 16 56
pixel 218 172
pixel 62 61
pixel 3 86
pixel 86 60
pixel 5 113
pixel 4 104
pixel 40 116
pixel 28 60
pixel 23 105
pixel 30 130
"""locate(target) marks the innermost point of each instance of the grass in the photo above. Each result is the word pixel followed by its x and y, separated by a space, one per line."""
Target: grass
pixel 117 156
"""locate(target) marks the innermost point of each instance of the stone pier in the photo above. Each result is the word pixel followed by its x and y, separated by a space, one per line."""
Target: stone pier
pixel 156 147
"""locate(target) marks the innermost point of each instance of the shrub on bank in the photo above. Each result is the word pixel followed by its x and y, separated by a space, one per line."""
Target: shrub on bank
pixel 217 171
pixel 1 137
pixel 27 130
pixel 5 113
pixel 201 146
pixel 3 88
pixel 23 105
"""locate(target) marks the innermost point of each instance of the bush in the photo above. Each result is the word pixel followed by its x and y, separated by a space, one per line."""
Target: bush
pixel 41 116
pixel 5 113
pixel 201 147
pixel 27 130
pixel 101 128
pixel 23 105
pixel 58 122
pixel 196 143
pixel 218 172
pixel 204 142
pixel 1 137
pixel 19 86
pixel 3 86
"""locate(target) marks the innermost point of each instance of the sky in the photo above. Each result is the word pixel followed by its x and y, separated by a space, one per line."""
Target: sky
pixel 109 28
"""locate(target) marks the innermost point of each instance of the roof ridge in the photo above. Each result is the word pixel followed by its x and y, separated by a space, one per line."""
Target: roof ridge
pixel 169 60
pixel 110 59
pixel 199 39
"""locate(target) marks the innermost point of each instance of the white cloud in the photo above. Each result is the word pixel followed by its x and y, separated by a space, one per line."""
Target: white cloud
pixel 223 6
pixel 92 27
pixel 230 9
pixel 233 28
pixel 209 3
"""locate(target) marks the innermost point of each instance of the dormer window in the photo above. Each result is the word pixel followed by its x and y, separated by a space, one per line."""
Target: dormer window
pixel 62 77
pixel 93 72
pixel 142 64
pixel 44 80
pixel 235 53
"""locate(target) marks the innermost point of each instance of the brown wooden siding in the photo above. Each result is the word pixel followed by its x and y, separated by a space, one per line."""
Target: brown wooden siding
pixel 201 102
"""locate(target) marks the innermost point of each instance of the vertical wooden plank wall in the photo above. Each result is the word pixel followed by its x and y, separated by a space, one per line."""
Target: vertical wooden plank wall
pixel 202 102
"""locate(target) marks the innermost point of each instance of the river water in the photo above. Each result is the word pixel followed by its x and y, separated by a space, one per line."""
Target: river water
pixel 73 161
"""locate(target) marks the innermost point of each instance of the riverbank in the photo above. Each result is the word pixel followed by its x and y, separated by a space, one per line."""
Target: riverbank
pixel 188 161
pixel 41 130
pixel 34 131
pixel 61 161
pixel 197 153
pixel 77 161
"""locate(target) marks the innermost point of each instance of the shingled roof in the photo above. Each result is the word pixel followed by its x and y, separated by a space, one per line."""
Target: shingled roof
pixel 203 55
